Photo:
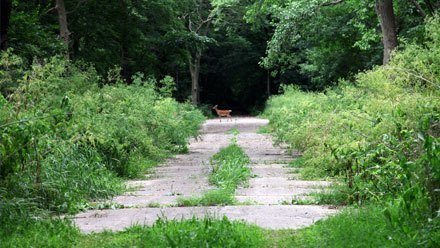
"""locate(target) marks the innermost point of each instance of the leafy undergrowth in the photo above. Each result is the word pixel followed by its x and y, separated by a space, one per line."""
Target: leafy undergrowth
pixel 380 137
pixel 229 170
pixel 69 136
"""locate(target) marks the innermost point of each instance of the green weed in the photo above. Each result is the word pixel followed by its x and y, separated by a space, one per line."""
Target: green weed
pixel 353 227
pixel 206 232
pixel 217 197
pixel 40 233
pixel 229 170
pixel 229 167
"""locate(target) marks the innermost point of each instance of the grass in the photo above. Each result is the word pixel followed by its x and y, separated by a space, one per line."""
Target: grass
pixel 335 196
pixel 229 170
pixel 229 167
pixel 42 233
pixel 353 227
pixel 207 232
pixel 217 197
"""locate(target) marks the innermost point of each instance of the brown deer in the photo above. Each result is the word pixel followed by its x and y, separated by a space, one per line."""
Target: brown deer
pixel 222 113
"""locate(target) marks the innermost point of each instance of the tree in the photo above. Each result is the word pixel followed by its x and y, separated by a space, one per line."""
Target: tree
pixel 62 21
pixel 5 13
pixel 315 41
pixel 385 12
pixel 198 20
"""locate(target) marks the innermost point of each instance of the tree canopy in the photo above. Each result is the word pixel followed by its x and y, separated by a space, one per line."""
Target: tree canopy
pixel 230 52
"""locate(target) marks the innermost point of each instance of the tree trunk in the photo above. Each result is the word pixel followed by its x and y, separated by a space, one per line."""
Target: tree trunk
pixel 194 68
pixel 5 13
pixel 385 12
pixel 268 84
pixel 62 20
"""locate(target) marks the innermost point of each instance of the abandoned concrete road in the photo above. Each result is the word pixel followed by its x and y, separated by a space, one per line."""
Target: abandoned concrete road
pixel 264 202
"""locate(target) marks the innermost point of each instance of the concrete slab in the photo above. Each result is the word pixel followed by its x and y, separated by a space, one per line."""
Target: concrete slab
pixel 272 217
pixel 186 175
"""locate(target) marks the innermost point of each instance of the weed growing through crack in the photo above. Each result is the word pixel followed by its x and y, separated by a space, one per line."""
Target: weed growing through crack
pixel 217 197
pixel 229 170
pixel 207 232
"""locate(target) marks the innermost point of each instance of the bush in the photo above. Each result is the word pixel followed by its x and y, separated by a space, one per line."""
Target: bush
pixel 65 137
pixel 380 134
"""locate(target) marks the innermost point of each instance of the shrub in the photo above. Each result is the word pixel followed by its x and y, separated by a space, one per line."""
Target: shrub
pixel 66 138
pixel 380 134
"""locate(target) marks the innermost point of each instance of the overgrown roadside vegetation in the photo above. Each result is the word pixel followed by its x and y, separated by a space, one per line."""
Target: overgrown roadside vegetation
pixel 207 232
pixel 230 168
pixel 380 136
pixel 69 136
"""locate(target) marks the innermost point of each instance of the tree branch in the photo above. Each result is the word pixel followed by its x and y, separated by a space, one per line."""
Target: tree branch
pixel 419 8
pixel 207 22
pixel 190 24
pixel 51 9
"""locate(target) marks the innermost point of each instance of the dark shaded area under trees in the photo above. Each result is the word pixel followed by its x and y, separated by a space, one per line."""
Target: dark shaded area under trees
pixel 234 53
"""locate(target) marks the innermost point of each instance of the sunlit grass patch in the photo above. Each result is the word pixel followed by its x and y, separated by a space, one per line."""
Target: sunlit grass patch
pixel 39 233
pixel 207 232
pixel 353 227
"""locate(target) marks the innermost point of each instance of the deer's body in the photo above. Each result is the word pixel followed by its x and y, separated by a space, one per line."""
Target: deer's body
pixel 222 112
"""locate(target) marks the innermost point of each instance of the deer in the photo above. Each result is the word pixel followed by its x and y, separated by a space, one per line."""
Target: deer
pixel 222 112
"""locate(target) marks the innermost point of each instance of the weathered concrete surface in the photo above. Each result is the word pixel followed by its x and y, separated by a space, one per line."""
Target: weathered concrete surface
pixel 186 175
pixel 277 190
pixel 273 217
pixel 182 176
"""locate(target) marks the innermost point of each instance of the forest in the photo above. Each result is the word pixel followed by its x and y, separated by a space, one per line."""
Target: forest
pixel 94 93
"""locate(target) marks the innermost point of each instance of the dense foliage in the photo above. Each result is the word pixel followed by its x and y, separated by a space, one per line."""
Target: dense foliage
pixel 317 42
pixel 381 134
pixel 152 37
pixel 66 140
pixel 86 101
pixel 242 44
